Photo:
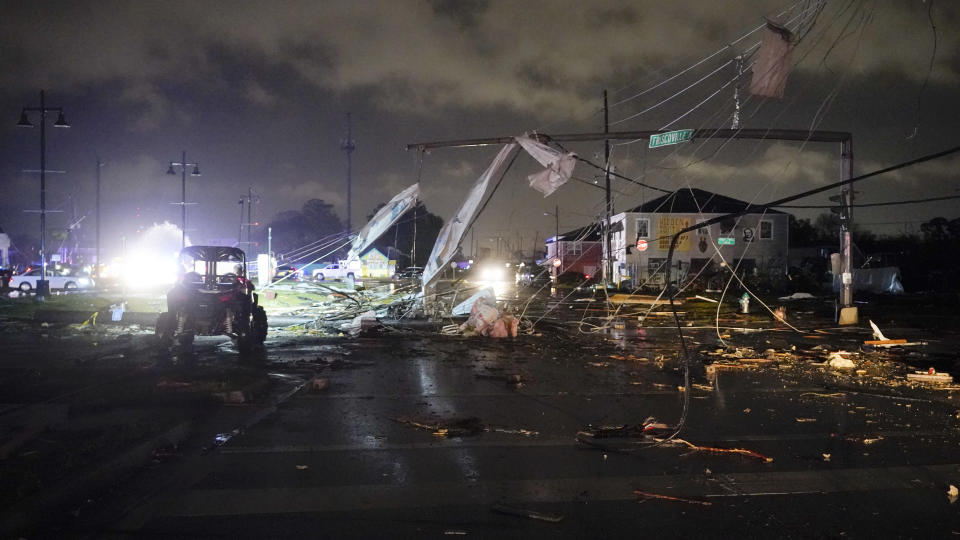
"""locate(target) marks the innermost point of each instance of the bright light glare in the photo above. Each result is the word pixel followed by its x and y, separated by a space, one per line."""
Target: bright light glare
pixel 144 269
pixel 492 273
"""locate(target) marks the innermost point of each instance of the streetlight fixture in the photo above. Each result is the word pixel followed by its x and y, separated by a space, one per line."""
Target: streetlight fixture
pixel 43 285
pixel 556 237
pixel 183 188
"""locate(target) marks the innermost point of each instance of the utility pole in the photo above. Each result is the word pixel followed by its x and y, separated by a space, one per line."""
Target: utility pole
pixel 608 256
pixel 846 223
pixel 735 124
pixel 348 145
pixel 845 138
pixel 96 267
pixel 240 232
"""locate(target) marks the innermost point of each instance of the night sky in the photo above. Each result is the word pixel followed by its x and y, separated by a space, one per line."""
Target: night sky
pixel 258 93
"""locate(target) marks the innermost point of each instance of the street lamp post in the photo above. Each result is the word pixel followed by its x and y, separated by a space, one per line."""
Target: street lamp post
pixel 556 236
pixel 183 185
pixel 43 285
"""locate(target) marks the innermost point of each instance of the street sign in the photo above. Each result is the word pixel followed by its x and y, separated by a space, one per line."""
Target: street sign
pixel 726 241
pixel 670 137
pixel 641 245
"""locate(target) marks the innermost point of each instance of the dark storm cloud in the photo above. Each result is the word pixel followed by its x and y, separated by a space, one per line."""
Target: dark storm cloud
pixel 259 90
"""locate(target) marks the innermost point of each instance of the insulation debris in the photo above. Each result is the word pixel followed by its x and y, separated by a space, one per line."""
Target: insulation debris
pixel 521 512
pixel 647 495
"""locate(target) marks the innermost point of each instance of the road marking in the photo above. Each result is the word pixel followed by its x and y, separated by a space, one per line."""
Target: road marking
pixel 233 502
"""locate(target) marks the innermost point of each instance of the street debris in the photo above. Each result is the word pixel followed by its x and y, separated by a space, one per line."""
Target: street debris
pixel 361 323
pixel 839 360
pixel 521 512
pixel 318 384
pixel 798 296
pixel 462 427
pixel 930 376
pixel 486 320
pixel 645 495
pixel 952 493
pixel 715 450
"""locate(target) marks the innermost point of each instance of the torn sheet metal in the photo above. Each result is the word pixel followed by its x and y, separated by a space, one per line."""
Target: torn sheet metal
pixel 463 308
pixel 400 204
pixel 453 230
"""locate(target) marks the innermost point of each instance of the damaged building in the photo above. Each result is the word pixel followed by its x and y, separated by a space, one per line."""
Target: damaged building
pixel 640 240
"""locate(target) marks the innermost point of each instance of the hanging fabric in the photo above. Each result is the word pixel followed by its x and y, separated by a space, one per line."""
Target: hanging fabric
pixel 559 165
pixel 772 65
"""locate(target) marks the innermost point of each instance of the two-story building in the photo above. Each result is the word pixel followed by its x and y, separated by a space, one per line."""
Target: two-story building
pixel 576 251
pixel 641 237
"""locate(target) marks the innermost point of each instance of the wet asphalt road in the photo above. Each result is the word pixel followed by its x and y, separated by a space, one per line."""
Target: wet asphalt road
pixel 344 461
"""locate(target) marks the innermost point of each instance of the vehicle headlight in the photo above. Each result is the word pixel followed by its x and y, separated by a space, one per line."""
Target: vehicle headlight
pixel 492 274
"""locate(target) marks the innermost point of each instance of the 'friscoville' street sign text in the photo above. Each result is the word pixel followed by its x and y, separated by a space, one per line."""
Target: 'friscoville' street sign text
pixel 670 137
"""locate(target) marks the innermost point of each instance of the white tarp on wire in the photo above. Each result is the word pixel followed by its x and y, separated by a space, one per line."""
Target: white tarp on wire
pixel 559 165
pixel 453 230
pixel 772 65
pixel 384 219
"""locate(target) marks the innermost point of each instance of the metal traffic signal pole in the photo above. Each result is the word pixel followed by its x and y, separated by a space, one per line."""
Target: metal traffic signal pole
pixel 845 139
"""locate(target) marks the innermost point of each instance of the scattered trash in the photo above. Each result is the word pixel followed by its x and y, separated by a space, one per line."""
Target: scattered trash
pixel 462 427
pixel 520 512
pixel 826 456
pixel 318 384
pixel 361 323
pixel 952 493
pixel 486 320
pixel 302 467
pixel 877 334
pixel 646 495
pixel 802 420
pixel 705 299
pixel 466 307
pixel 931 376
pixel 798 296
pixel 780 314
pixel 838 360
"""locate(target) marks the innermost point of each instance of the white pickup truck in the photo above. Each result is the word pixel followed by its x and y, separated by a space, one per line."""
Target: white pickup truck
pixel 337 270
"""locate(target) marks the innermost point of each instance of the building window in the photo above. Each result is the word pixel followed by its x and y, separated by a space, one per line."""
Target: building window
pixel 656 266
pixel 703 231
pixel 573 248
pixel 766 229
pixel 643 228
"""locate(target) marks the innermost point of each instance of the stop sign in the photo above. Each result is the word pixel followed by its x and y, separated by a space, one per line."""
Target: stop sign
pixel 641 245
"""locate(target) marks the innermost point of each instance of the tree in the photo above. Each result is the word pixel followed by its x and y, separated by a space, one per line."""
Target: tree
pixel 316 220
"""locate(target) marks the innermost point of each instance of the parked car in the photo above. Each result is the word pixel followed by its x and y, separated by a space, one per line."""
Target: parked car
pixel 409 273
pixel 27 281
pixel 285 270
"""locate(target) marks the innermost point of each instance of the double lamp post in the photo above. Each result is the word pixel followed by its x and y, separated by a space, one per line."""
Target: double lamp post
pixel 43 285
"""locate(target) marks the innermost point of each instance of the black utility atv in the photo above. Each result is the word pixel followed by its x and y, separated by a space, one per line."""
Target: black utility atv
pixel 213 297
